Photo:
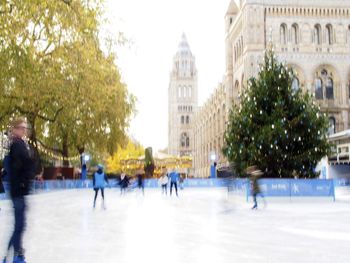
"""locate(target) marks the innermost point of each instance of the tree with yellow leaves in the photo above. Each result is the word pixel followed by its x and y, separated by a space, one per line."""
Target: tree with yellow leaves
pixel 132 150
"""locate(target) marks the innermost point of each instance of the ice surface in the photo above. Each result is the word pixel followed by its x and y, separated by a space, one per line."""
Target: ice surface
pixel 202 225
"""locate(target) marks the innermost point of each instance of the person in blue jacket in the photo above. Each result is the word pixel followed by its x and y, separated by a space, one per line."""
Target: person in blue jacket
pixel 99 181
pixel 174 178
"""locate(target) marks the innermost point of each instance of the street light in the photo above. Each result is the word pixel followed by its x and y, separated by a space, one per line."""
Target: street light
pixel 86 158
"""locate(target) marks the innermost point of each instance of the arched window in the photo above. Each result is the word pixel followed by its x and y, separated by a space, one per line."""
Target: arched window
pixel 329 34
pixel 295 34
pixel 184 91
pixel 283 34
pixel 317 34
pixel 329 88
pixel 318 89
pixel 324 84
pixel 184 140
pixel 331 125
pixel 349 35
pixel 179 91
pixel 182 119
pixel 189 91
pixel 295 84
pixel 187 119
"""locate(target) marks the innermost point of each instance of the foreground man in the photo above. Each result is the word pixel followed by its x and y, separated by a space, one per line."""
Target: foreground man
pixel 21 165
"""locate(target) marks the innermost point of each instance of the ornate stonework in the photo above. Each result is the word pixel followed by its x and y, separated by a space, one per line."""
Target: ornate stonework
pixel 182 101
pixel 311 36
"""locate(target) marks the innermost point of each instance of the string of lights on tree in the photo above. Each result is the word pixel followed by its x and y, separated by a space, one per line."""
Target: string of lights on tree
pixel 52 154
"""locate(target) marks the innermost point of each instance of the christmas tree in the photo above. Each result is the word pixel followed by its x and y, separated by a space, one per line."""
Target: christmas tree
pixel 149 162
pixel 276 126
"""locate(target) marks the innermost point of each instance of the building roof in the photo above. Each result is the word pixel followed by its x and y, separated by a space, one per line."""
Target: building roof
pixel 232 8
pixel 184 47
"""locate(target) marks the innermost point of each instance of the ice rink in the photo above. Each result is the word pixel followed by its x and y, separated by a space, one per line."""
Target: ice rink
pixel 202 225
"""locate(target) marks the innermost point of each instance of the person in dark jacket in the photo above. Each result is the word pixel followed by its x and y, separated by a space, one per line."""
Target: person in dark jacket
pixel 140 182
pixel 2 174
pixel 21 170
pixel 124 183
pixel 100 180
pixel 6 174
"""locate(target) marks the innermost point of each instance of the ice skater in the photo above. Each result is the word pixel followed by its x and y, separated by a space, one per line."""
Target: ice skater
pixel 2 188
pixel 140 182
pixel 100 180
pixel 255 175
pixel 174 178
pixel 124 183
pixel 181 182
pixel 163 181
pixel 22 170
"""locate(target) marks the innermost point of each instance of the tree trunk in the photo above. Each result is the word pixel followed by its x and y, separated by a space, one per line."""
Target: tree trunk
pixel 81 150
pixel 65 151
pixel 32 136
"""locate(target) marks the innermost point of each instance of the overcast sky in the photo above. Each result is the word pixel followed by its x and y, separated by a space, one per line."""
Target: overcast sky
pixel 155 28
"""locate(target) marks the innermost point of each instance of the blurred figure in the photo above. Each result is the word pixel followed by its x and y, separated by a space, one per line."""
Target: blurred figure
pixel 99 180
pixel 2 189
pixel 83 172
pixel 21 167
pixel 124 183
pixel 163 181
pixel 255 175
pixel 6 172
pixel 174 178
pixel 140 182
pixel 181 182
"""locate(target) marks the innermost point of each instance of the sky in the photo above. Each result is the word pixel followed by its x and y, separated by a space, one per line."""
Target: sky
pixel 154 29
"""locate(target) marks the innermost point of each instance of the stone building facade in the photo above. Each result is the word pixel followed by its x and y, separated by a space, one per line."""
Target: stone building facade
pixel 310 36
pixel 182 101
pixel 210 124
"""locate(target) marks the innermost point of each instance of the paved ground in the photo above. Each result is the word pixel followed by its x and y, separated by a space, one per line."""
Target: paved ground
pixel 202 225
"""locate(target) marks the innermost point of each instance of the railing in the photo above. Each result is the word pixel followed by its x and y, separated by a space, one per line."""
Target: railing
pixel 269 187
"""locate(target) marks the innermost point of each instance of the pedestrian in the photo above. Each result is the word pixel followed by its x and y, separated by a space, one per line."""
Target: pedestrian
pixel 83 172
pixel 100 180
pixel 255 175
pixel 174 178
pixel 140 182
pixel 163 181
pixel 181 182
pixel 2 174
pixel 124 183
pixel 22 168
pixel 2 189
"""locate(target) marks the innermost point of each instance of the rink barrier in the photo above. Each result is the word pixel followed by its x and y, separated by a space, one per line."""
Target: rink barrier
pixel 288 187
pixel 270 187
